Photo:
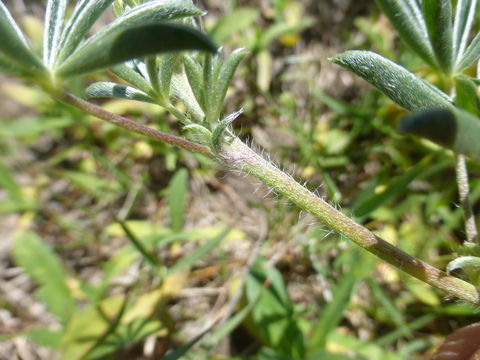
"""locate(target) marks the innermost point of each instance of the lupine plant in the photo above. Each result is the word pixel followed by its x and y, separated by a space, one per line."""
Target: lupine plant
pixel 154 46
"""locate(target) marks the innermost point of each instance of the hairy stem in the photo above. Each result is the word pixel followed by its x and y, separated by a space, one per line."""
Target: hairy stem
pixel 463 193
pixel 131 125
pixel 239 156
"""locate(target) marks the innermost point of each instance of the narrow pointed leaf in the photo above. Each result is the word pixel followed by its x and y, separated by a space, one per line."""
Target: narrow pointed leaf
pixel 399 84
pixel 464 15
pixel 86 13
pixel 112 90
pixel 463 262
pixel 114 47
pixel 466 94
pixel 127 73
pixel 225 78
pixel 194 74
pixel 54 18
pixel 452 128
pixel 14 45
pixel 438 18
pixel 472 55
pixel 406 17
pixel 168 63
pixel 217 134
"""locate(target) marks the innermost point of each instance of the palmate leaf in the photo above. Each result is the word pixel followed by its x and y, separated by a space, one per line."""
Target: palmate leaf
pixel 437 120
pixel 464 15
pixel 438 18
pixel 85 14
pixel 13 44
pixel 406 16
pixel 54 18
pixel 113 90
pixel 140 32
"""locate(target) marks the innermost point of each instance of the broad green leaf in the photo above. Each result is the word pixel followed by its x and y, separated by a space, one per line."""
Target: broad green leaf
pixel 451 128
pixel 41 263
pixel 233 23
pixel 85 14
pixel 14 45
pixel 138 33
pixel 438 18
pixel 177 199
pixel 130 75
pixel 47 338
pixel 472 54
pixel 222 82
pixel 466 96
pixel 464 15
pixel 406 17
pixel 333 312
pixel 54 18
pixel 113 90
pixel 399 84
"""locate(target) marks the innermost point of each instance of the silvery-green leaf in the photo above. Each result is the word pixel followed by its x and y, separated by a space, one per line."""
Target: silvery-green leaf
pixel 54 18
pixel 463 262
pixel 168 63
pixel 116 45
pixel 438 18
pixel 222 82
pixel 127 73
pixel 406 16
pixel 152 73
pixel 182 90
pixel 113 90
pixel 217 133
pixel 464 15
pixel 466 94
pixel 403 87
pixel 452 128
pixel 472 54
pixel 194 74
pixel 85 14
pixel 14 45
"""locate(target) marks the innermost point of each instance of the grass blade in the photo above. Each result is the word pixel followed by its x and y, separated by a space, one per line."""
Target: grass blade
pixel 86 13
pixel 399 84
pixel 41 263
pixel 177 199
pixel 54 18
pixel 138 33
pixel 438 18
pixel 113 90
pixel 14 45
pixel 464 15
pixel 406 17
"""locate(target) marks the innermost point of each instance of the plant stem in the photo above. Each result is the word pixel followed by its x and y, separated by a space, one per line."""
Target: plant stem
pixel 131 125
pixel 463 193
pixel 239 156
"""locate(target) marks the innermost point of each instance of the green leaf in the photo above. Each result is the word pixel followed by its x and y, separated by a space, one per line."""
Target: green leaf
pixel 472 54
pixel 466 94
pixel 109 90
pixel 14 45
pixel 451 128
pixel 54 18
pixel 130 75
pixel 168 64
pixel 464 15
pixel 217 134
pixel 333 312
pixel 194 73
pixel 406 17
pixel 177 199
pixel 222 82
pixel 399 84
pixel 138 33
pixel 9 67
pixel 7 182
pixel 463 262
pixel 47 338
pixel 43 265
pixel 85 14
pixel 438 18
pixel 198 254
pixel 233 23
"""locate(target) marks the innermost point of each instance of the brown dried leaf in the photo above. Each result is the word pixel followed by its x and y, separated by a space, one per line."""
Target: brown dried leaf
pixel 463 344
